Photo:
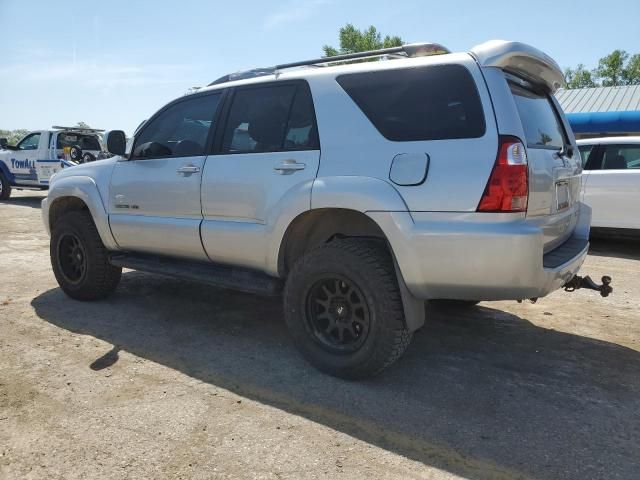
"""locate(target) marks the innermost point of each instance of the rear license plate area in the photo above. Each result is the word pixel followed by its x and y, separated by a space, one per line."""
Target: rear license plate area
pixel 563 197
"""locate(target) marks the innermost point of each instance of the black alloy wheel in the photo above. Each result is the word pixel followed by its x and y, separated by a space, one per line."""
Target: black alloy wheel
pixel 72 258
pixel 337 314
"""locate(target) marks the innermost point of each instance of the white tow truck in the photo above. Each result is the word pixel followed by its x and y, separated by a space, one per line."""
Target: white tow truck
pixel 30 164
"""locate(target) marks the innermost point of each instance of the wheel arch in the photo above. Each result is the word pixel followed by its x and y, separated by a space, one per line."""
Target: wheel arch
pixel 321 225
pixel 79 193
pixel 318 226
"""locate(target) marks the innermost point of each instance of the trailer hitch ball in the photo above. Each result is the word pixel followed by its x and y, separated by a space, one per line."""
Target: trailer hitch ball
pixel 578 282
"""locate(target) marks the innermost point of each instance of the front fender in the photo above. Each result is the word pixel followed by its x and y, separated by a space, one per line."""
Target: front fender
pixel 85 189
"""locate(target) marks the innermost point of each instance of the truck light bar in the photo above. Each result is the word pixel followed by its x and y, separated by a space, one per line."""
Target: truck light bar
pixel 410 50
pixel 78 129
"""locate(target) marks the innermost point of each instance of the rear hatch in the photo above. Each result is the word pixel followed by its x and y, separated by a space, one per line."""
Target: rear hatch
pixel 554 164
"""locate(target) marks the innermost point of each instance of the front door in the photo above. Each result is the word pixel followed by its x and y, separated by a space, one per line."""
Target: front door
pixel 154 196
pixel 23 160
pixel 265 162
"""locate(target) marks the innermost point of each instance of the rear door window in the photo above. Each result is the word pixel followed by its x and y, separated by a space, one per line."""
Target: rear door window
pixel 413 104
pixel 271 118
pixel 621 157
pixel 539 119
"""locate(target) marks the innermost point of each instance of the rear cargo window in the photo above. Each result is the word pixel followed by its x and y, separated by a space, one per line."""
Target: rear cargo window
pixel 541 125
pixel 426 103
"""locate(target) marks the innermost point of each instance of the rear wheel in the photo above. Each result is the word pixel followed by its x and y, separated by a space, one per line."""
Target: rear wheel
pixel 79 259
pixel 5 187
pixel 344 310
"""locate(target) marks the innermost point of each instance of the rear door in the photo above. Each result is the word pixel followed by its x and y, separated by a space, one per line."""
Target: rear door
pixel 264 163
pixel 554 178
pixel 154 196
pixel 612 188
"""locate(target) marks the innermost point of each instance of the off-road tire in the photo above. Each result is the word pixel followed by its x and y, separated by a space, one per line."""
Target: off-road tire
pixel 100 278
pixel 5 192
pixel 367 264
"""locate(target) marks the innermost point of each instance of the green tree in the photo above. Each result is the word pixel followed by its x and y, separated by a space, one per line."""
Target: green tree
pixel 353 40
pixel 631 73
pixel 611 69
pixel 13 136
pixel 579 77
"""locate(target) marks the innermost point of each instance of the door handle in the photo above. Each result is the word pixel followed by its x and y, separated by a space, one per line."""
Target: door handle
pixel 287 167
pixel 188 170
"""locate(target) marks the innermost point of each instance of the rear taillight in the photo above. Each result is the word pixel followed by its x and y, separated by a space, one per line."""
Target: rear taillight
pixel 508 186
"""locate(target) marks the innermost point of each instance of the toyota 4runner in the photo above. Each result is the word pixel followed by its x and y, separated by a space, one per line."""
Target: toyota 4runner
pixel 357 191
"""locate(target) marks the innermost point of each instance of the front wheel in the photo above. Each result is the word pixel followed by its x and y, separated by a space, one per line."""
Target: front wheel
pixel 80 260
pixel 343 308
pixel 5 187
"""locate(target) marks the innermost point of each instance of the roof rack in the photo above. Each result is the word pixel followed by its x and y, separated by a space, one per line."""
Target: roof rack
pixel 78 129
pixel 410 50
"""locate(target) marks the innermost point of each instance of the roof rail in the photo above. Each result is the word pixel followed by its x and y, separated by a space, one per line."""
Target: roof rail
pixel 410 50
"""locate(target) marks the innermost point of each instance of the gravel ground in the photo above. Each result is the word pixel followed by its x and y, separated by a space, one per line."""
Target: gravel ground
pixel 168 379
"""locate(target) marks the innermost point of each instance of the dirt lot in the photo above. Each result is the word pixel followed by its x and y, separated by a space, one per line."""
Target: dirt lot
pixel 169 379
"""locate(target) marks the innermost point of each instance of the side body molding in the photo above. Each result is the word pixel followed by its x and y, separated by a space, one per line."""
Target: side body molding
pixel 85 189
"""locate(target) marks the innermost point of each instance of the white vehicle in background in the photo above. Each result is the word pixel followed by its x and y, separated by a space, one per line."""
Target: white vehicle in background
pixel 30 164
pixel 611 183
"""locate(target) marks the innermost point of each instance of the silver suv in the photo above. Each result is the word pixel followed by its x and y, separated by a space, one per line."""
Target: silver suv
pixel 357 191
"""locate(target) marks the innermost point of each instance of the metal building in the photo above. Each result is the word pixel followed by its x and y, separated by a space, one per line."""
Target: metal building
pixel 602 111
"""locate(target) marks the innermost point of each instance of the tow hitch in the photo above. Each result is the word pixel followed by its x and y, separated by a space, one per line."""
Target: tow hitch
pixel 585 282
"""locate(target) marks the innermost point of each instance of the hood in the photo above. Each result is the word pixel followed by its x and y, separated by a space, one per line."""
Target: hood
pixel 96 170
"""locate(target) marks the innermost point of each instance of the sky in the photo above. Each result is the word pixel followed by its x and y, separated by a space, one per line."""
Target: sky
pixel 113 63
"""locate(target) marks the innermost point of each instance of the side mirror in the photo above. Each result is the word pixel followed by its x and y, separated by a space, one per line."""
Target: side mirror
pixel 3 143
pixel 116 142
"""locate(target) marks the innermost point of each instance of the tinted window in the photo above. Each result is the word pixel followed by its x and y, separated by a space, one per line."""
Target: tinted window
pixel 585 152
pixel 621 157
pixel 301 133
pixel 30 143
pixel 180 130
pixel 270 119
pixel 542 128
pixel 85 142
pixel 426 103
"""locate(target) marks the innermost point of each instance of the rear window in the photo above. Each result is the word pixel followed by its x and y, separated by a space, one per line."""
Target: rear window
pixel 541 125
pixel 621 157
pixel 85 142
pixel 412 104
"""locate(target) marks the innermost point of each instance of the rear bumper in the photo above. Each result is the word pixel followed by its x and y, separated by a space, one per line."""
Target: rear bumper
pixel 473 256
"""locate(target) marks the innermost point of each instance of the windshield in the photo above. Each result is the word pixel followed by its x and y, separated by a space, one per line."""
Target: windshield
pixel 84 141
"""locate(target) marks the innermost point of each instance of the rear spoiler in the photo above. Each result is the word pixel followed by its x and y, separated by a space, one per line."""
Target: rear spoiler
pixel 522 60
